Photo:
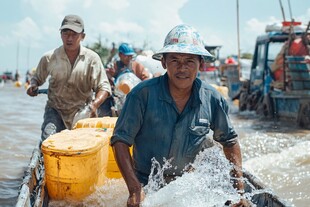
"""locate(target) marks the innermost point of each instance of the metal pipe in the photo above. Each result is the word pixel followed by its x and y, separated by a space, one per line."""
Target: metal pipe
pixel 290 8
pixel 238 38
pixel 282 10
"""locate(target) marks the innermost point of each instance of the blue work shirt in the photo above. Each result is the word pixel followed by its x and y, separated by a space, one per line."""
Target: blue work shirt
pixel 150 121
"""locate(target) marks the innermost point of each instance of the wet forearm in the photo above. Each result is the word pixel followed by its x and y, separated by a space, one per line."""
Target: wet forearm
pixel 233 154
pixel 100 97
pixel 124 162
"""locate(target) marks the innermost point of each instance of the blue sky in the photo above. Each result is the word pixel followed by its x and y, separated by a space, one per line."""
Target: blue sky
pixel 31 27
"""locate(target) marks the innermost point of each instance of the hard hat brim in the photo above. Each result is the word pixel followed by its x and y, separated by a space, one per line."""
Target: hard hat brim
pixel 186 49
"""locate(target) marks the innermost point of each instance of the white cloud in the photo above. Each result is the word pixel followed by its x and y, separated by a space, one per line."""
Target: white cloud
pixel 27 31
pixel 87 3
pixel 46 8
pixel 131 23
pixel 121 26
pixel 304 18
pixel 117 4
pixel 253 28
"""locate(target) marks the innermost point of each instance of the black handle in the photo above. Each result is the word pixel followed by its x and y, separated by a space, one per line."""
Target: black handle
pixel 42 91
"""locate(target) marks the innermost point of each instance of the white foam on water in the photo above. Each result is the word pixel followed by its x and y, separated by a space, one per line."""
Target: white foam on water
pixel 207 185
pixel 113 194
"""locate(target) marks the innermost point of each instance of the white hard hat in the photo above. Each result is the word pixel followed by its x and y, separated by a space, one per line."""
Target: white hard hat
pixel 184 39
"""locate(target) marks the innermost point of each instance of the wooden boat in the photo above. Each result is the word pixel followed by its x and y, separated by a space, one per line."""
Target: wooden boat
pixel 34 191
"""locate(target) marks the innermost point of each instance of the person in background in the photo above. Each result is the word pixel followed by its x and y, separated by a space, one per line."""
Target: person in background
pixel 170 116
pixel 28 77
pixel 126 63
pixel 17 76
pixel 76 73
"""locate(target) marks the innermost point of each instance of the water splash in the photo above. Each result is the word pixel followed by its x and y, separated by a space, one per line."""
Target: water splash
pixel 208 184
pixel 156 179
pixel 113 193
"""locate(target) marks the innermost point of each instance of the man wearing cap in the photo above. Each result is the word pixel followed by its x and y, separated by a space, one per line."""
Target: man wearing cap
pixel 75 73
pixel 170 117
pixel 126 62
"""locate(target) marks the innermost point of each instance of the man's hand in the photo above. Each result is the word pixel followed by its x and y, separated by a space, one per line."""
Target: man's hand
pixel 93 110
pixel 243 203
pixel 110 71
pixel 145 75
pixel 135 198
pixel 32 90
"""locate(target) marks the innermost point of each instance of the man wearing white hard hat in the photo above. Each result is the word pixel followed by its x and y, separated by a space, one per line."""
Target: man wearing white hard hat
pixel 170 117
pixel 75 73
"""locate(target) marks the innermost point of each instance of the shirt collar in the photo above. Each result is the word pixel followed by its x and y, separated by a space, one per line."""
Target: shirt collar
pixel 164 93
pixel 82 51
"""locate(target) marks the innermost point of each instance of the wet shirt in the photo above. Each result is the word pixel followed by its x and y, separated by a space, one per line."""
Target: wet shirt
pixel 71 87
pixel 151 123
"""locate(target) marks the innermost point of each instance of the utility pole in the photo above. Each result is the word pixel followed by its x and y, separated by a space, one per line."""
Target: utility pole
pixel 238 38
pixel 17 56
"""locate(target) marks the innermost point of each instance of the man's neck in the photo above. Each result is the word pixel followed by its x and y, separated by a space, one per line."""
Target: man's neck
pixel 180 97
pixel 72 55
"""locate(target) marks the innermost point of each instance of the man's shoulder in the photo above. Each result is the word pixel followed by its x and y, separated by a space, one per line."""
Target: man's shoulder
pixel 51 54
pixel 136 64
pixel 89 53
pixel 210 89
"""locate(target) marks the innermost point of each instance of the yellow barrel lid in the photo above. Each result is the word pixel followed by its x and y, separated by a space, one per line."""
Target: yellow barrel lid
pixel 100 122
pixel 79 141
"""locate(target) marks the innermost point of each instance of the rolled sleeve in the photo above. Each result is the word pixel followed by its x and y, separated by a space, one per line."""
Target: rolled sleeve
pixel 224 132
pixel 41 73
pixel 128 124
pixel 101 82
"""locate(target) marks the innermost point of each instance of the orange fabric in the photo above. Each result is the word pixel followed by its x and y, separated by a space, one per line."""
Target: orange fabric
pixel 278 74
pixel 230 61
pixel 277 65
pixel 297 48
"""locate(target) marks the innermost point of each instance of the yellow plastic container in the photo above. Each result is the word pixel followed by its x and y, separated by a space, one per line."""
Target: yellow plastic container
pixel 105 123
pixel 102 122
pixel 75 162
pixel 112 169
